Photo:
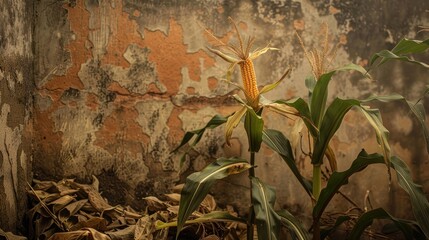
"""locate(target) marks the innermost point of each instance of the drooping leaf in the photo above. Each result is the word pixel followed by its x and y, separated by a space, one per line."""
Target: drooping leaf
pixel 272 86
pixel 417 109
pixel 408 46
pixel 253 124
pixel 374 118
pixel 330 155
pixel 400 51
pixel 198 184
pixel 216 121
pixel 268 222
pixel 419 202
pixel 297 230
pixel 233 121
pixel 280 144
pixel 383 98
pixel 366 219
pixel 339 179
pixel 330 124
pixel 304 112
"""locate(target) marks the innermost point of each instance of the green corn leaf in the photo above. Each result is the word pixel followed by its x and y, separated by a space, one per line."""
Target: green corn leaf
pixel 374 118
pixel 319 97
pixel 407 46
pixel 419 202
pixel 399 52
pixel 297 230
pixel 198 184
pixel 417 109
pixel 339 179
pixel 310 83
pixel 254 124
pixel 268 222
pixel 320 92
pixel 388 55
pixel 330 124
pixel 407 227
pixel 216 121
pixel 279 143
pixel 304 112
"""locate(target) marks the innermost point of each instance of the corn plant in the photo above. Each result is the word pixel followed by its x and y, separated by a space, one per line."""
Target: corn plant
pixel 322 120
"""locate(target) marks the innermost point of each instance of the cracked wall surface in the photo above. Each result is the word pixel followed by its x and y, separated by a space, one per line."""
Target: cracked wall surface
pixel 16 83
pixel 119 82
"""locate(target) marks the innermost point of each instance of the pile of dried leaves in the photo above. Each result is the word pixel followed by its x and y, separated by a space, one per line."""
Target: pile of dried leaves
pixel 70 210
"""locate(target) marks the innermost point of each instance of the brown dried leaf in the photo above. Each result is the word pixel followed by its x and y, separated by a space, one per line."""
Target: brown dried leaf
pixel 39 193
pixel 84 234
pixel 47 234
pixel 42 224
pixel 43 185
pixel 97 223
pixel 122 234
pixel 60 203
pixel 154 204
pixel 174 197
pixel 209 203
pixel 145 228
pixel 178 188
pixel 71 210
pixel 69 192
pixel 76 218
pixel 173 209
pixel 87 207
pixel 95 184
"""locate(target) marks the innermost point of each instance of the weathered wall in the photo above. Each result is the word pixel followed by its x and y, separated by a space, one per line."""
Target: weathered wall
pixel 16 81
pixel 118 83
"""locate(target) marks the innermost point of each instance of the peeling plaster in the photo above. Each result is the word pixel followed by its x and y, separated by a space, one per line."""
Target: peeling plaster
pixel 11 157
pixel 153 117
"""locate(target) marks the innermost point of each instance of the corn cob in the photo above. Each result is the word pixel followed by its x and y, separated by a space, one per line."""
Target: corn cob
pixel 249 81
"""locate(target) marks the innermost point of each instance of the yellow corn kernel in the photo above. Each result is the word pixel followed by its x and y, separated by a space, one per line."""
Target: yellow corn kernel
pixel 249 81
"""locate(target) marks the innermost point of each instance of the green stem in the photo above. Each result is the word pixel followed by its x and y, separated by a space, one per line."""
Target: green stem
pixel 252 163
pixel 317 186
pixel 251 219
pixel 317 181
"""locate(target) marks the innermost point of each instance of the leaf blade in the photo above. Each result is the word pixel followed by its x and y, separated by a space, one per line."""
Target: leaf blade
pixel 279 143
pixel 198 184
pixel 267 220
